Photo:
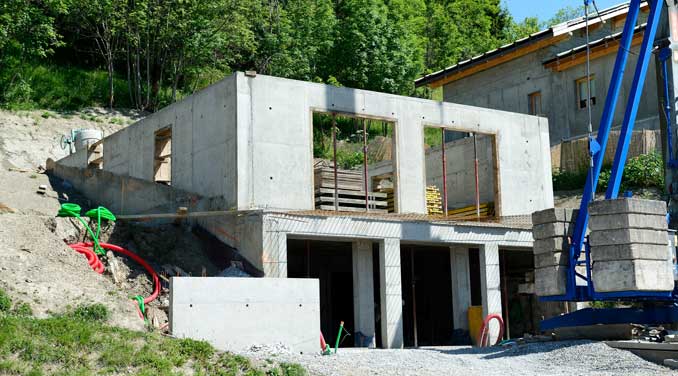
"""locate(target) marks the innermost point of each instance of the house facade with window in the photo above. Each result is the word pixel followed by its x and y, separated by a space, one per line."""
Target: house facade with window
pixel 545 75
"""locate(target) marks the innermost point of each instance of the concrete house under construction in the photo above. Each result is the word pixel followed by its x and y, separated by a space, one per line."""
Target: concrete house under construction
pixel 243 148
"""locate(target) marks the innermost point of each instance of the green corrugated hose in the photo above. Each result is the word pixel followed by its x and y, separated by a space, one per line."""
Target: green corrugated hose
pixel 73 210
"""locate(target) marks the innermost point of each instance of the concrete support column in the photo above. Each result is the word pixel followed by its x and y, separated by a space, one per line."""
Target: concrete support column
pixel 274 255
pixel 490 285
pixel 363 291
pixel 391 299
pixel 461 286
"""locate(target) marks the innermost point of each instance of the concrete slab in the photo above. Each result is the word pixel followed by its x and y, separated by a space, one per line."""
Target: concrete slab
pixel 543 260
pixel 235 313
pixel 627 205
pixel 554 215
pixel 631 252
pixel 550 245
pixel 627 236
pixel 622 221
pixel 633 275
pixel 551 280
pixel 549 230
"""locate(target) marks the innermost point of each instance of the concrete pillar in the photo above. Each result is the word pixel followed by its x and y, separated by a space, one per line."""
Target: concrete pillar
pixel 490 285
pixel 461 286
pixel 274 255
pixel 363 290
pixel 391 299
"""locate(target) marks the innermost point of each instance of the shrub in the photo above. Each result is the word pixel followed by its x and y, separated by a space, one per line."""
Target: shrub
pixel 23 309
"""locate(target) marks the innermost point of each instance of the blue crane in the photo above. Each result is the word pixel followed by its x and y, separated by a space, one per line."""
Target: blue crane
pixel 660 306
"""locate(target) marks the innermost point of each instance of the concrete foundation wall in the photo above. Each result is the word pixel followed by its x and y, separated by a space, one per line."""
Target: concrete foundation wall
pixel 126 195
pixel 235 313
pixel 277 117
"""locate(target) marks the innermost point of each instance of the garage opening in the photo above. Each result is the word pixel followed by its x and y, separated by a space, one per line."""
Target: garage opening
pixel 427 296
pixel 331 263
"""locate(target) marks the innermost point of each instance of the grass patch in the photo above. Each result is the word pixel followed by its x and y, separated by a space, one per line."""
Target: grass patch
pixel 80 343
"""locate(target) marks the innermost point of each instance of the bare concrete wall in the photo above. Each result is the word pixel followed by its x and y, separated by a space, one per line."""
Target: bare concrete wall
pixel 236 313
pixel 203 145
pixel 461 170
pixel 275 165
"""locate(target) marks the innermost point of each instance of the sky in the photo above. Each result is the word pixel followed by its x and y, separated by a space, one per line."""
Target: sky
pixel 547 8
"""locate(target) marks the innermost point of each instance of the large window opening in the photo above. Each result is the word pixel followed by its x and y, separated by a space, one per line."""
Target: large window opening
pixel 162 161
pixel 331 263
pixel 353 164
pixel 461 179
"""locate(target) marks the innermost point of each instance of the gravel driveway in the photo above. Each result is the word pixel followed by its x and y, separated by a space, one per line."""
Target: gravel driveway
pixel 550 358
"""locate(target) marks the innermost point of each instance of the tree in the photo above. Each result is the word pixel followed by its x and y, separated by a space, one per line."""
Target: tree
pixel 564 15
pixel 372 51
pixel 295 38
pixel 515 31
pixel 104 22
pixel 27 31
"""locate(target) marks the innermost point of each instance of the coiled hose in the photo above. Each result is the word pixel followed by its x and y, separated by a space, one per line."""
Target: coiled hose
pixel 91 250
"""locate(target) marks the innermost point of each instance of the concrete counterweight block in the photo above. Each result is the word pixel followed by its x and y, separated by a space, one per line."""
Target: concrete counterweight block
pixel 551 228
pixel 632 275
pixel 630 246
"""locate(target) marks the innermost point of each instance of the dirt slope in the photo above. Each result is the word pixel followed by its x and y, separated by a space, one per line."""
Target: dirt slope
pixel 36 266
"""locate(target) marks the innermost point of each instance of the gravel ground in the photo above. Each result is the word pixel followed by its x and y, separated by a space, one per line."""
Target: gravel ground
pixel 550 358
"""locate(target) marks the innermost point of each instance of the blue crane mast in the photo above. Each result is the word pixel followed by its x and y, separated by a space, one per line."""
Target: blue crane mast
pixel 660 306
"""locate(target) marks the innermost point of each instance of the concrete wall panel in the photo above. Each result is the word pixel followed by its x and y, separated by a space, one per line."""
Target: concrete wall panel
pixel 236 313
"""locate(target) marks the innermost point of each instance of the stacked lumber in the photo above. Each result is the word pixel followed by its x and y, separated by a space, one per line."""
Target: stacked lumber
pixel 434 203
pixel 350 192
pixel 469 212
pixel 390 199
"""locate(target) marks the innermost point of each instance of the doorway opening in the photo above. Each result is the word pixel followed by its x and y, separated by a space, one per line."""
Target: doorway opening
pixel 427 296
pixel 332 264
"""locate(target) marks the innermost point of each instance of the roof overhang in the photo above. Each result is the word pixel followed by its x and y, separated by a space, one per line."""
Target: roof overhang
pixel 522 47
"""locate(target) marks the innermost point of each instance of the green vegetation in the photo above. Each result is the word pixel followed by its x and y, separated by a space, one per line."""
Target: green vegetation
pixel 67 54
pixel 79 343
pixel 643 171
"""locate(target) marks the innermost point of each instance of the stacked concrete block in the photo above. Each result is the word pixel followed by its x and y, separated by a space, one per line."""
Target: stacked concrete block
pixel 630 246
pixel 551 228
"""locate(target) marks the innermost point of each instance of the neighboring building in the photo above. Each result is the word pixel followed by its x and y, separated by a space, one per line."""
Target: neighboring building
pixel 545 74
pixel 242 149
